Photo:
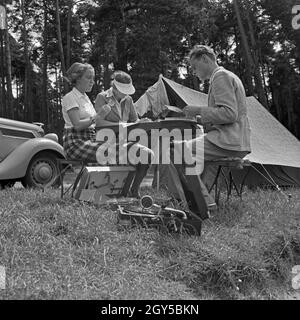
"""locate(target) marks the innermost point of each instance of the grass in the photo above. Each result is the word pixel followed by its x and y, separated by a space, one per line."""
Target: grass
pixel 63 249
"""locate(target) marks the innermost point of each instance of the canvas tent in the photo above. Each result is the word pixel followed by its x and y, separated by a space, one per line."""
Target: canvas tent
pixel 275 151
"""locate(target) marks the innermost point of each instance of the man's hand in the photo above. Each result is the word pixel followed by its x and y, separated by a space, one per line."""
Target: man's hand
pixel 208 127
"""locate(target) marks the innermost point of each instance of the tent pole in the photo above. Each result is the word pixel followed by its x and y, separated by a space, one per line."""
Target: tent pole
pixel 157 179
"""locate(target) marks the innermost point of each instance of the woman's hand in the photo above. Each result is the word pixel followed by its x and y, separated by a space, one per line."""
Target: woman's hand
pixel 104 111
pixel 144 120
pixel 80 124
pixel 93 118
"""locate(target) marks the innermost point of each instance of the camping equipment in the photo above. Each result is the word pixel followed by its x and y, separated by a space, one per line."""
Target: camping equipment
pixel 151 215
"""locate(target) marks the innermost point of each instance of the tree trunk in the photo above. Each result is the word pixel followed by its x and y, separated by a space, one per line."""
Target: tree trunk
pixel 10 107
pixel 290 110
pixel 17 112
pixel 56 91
pixel 70 8
pixel 2 82
pixel 276 102
pixel 121 61
pixel 59 124
pixel 256 65
pixel 106 77
pixel 27 81
pixel 243 33
pixel 60 45
pixel 275 95
pixel 246 49
pixel 45 111
pixel 91 32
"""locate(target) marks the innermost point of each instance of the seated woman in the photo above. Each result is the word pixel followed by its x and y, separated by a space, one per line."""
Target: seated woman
pixel 79 115
pixel 118 101
pixel 118 107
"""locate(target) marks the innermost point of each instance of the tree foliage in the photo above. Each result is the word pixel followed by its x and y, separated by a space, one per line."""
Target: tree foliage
pixel 146 38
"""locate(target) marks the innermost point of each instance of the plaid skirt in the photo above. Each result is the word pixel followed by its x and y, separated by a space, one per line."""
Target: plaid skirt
pixel 81 145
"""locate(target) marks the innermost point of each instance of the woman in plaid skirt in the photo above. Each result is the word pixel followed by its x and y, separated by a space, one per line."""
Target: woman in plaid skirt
pixel 79 114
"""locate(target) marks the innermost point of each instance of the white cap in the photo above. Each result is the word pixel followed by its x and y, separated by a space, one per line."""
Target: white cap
pixel 125 88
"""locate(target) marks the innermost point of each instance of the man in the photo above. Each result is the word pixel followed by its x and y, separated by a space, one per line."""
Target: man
pixel 225 122
pixel 225 119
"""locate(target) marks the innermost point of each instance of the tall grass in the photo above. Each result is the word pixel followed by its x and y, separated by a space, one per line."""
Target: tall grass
pixel 64 249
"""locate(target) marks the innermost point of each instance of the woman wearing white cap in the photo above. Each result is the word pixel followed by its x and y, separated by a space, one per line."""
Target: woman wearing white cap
pixel 115 106
pixel 116 102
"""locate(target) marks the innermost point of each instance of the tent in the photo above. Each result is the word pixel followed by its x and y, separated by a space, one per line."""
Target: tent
pixel 275 151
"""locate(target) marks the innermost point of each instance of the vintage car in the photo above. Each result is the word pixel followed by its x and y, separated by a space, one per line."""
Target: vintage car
pixel 28 155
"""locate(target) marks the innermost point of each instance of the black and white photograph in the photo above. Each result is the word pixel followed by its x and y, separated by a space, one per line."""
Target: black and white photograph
pixel 149 154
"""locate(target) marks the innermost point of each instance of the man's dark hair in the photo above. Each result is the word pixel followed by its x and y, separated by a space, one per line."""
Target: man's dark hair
pixel 200 50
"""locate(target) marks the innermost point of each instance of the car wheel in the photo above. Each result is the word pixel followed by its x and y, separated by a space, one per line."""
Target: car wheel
pixel 6 184
pixel 42 171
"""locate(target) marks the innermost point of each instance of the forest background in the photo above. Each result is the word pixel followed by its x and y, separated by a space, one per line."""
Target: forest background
pixel 256 39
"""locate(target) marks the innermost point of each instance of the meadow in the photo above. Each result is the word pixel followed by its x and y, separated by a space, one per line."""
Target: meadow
pixel 62 249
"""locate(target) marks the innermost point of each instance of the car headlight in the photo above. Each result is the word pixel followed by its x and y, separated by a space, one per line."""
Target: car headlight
pixel 52 136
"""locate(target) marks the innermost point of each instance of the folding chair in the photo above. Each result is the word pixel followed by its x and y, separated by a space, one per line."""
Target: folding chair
pixel 65 165
pixel 229 164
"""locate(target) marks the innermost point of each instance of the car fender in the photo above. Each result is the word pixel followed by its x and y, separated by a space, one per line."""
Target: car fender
pixel 14 166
